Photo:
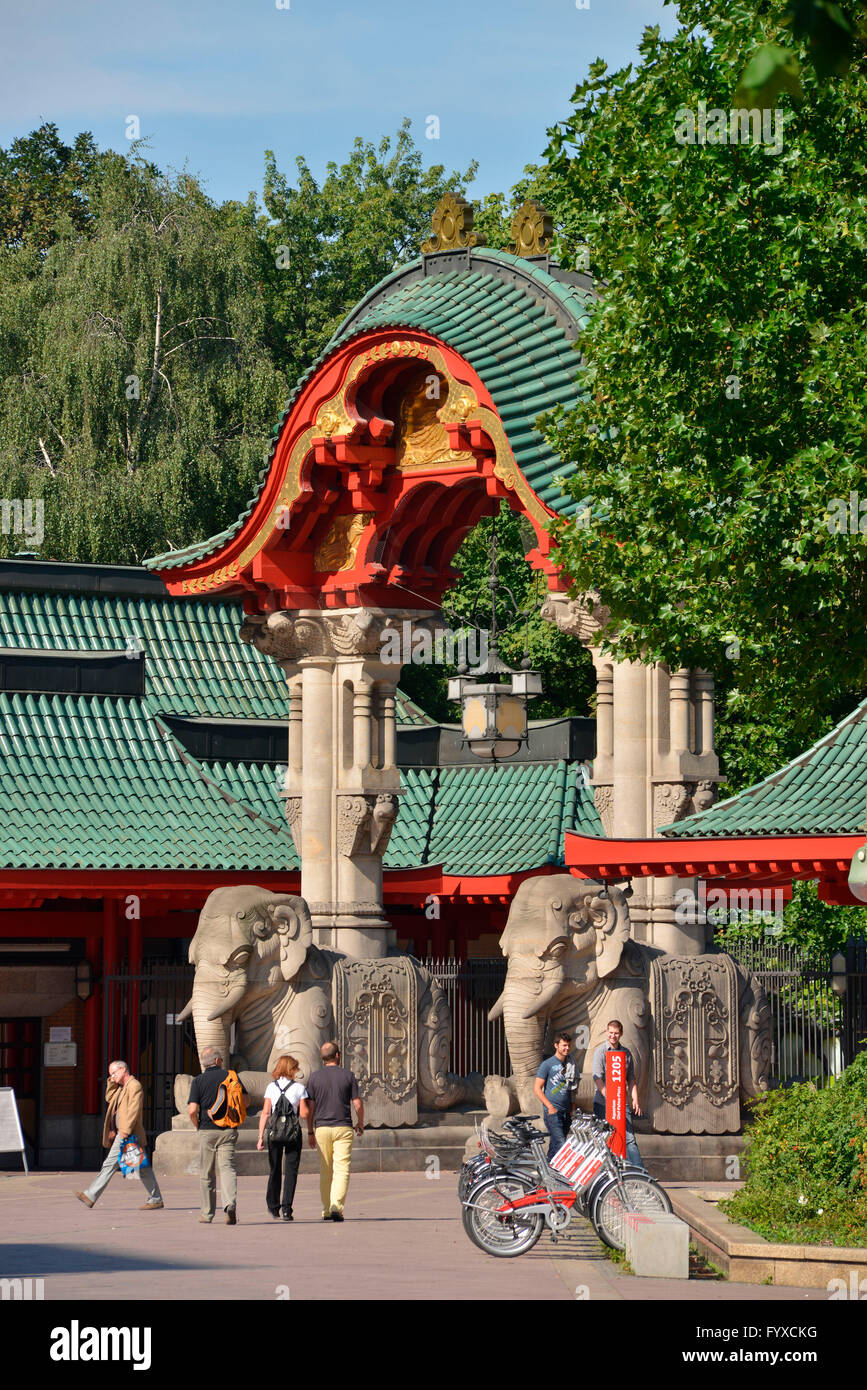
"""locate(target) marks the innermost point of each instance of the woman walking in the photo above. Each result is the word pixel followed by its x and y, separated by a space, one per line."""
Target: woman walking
pixel 285 1098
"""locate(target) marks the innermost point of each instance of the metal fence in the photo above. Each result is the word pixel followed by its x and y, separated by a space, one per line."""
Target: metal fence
pixel 817 1029
pixel 471 987
pixel 139 1012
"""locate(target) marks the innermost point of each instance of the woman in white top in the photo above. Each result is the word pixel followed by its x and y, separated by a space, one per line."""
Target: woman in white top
pixel 284 1083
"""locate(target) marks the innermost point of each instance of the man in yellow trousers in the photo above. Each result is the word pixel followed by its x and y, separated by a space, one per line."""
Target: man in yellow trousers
pixel 332 1094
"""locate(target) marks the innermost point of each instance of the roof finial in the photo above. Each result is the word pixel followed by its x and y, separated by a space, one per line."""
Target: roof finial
pixel 532 228
pixel 452 224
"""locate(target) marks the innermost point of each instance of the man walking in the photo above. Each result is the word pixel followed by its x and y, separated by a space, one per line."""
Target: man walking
pixel 614 1032
pixel 555 1086
pixel 216 1145
pixel 124 1116
pixel 331 1092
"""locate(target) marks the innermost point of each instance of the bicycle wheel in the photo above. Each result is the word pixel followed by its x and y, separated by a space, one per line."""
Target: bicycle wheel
pixel 642 1193
pixel 503 1236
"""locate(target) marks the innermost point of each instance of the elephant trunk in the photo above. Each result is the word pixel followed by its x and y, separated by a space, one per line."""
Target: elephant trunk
pixel 211 1025
pixel 227 1002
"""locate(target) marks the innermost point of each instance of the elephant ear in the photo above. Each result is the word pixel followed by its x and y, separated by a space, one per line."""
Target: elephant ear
pixel 289 918
pixel 608 911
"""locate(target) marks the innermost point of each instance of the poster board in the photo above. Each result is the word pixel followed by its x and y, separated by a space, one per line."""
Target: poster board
pixel 11 1134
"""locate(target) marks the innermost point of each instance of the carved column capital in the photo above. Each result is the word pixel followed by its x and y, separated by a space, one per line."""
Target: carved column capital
pixel 582 617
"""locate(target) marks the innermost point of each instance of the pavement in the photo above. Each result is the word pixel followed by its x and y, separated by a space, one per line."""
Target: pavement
pixel 402 1239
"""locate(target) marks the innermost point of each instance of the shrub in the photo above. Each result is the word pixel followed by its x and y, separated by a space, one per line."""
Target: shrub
pixel 807 1165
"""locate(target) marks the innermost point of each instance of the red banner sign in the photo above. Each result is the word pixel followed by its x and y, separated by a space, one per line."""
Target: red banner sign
pixel 615 1100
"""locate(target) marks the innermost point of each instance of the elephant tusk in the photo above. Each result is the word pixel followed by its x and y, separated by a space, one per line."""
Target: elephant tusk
pixel 496 1010
pixel 185 1013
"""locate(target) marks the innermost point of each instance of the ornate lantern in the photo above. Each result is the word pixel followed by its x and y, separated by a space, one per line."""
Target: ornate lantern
pixel 493 697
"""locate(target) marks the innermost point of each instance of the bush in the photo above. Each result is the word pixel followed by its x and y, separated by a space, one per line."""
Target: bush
pixel 807 1165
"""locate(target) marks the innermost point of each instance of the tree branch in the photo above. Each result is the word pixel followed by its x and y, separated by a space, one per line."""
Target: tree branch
pixel 52 470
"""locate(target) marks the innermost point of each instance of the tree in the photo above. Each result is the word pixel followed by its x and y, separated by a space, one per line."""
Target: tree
pixel 722 430
pixel 136 386
pixel 42 183
pixel 329 245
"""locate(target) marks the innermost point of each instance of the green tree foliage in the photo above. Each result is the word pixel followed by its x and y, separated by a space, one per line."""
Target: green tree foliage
pixel 827 28
pixel 726 370
pixel 568 679
pixel 135 380
pixel 329 245
pixel 43 183
pixel 807 1164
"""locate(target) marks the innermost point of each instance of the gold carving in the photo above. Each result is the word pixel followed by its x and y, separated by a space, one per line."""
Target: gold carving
pixel 339 547
pixel 422 439
pixel 452 224
pixel 532 228
pixel 461 404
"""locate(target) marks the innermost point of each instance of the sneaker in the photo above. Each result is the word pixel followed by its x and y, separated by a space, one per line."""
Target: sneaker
pixel 83 1197
pixel 336 1215
pixel 326 1216
pixel 153 1206
pixel 205 1220
pixel 231 1218
pixel 287 1216
pixel 274 1213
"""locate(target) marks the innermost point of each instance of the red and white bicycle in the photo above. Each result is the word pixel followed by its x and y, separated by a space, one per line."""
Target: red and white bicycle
pixel 508 1202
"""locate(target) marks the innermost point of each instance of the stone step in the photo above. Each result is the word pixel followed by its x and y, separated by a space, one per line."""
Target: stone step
pixel 669 1157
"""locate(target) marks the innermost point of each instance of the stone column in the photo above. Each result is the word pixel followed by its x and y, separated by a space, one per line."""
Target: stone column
pixel 343 784
pixel 654 764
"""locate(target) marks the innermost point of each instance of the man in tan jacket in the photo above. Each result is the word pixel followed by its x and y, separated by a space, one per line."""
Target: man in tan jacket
pixel 123 1117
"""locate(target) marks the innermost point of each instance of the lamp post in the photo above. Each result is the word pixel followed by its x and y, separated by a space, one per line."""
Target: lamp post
pixel 493 697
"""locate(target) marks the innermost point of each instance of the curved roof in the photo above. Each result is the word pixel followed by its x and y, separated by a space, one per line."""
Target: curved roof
pixel 515 321
pixel 821 792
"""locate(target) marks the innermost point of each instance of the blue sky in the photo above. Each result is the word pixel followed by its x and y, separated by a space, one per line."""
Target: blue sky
pixel 215 83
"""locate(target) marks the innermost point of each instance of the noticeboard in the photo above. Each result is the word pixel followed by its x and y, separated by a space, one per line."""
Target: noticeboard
pixel 11 1134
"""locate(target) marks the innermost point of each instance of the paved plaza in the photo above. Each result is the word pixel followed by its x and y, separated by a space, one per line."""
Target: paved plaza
pixel 402 1239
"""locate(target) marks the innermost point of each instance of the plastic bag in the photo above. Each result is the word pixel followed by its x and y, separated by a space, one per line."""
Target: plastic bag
pixel 132 1157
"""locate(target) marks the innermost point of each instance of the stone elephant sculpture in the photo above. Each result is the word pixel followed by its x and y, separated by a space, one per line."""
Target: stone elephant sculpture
pixel 572 965
pixel 257 968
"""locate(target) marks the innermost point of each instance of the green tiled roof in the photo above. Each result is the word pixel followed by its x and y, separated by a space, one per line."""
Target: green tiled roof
pixel 197 666
pixel 512 321
pixel 100 781
pixel 821 792
pixel 95 782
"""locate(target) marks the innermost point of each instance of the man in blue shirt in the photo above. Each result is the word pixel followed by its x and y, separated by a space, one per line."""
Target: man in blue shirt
pixel 556 1086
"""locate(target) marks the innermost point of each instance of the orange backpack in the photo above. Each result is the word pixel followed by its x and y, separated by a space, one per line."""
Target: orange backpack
pixel 229 1110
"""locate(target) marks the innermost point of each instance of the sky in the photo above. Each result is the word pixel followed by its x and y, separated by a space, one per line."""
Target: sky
pixel 214 83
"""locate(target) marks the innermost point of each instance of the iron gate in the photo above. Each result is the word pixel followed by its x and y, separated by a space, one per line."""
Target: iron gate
pixel 471 987
pixel 139 1012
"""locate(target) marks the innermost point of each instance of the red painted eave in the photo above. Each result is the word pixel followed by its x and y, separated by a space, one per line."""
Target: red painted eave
pixel 764 860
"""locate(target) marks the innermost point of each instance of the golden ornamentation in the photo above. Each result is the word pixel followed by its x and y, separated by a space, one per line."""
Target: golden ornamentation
pixel 532 228
pixel 422 438
pixel 339 546
pixel 460 398
pixel 452 224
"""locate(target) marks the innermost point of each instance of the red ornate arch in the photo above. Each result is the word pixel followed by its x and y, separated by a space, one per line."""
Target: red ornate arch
pixel 342 520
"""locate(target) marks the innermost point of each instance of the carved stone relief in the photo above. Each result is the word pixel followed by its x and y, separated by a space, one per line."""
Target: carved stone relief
pixel 376 1014
pixel 578 617
pixel 603 799
pixel 293 816
pixel 695 1055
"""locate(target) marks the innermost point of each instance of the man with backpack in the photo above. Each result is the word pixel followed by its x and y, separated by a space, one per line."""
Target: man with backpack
pixel 217 1109
pixel 280 1127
